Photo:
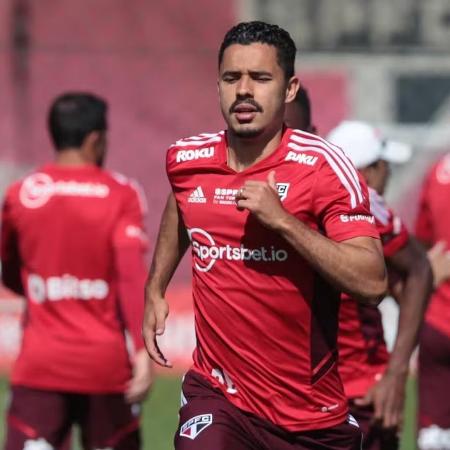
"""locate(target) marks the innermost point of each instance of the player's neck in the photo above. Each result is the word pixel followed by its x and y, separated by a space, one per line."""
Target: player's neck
pixel 244 152
pixel 72 157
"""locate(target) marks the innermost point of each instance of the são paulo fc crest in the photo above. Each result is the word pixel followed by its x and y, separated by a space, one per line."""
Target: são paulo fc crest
pixel 282 189
pixel 194 426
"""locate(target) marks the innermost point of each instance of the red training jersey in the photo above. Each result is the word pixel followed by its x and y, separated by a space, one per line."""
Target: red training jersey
pixel 265 321
pixel 432 226
pixel 363 355
pixel 73 241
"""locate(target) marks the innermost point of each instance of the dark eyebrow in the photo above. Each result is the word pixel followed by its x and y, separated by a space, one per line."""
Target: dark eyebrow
pixel 233 73
pixel 260 73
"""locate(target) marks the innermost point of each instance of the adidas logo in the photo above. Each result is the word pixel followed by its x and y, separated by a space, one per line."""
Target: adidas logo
pixel 197 196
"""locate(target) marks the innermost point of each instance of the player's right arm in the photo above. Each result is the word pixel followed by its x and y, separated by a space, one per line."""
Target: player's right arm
pixel 350 256
pixel 171 245
pixel 10 255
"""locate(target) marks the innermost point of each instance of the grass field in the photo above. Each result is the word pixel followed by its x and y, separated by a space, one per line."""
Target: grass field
pixel 161 413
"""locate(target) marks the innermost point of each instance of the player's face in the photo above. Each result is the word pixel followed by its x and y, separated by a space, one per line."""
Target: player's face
pixel 253 89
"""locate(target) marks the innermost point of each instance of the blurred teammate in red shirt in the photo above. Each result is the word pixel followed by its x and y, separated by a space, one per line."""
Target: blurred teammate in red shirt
pixel 433 229
pixel 265 210
pixel 374 381
pixel 72 242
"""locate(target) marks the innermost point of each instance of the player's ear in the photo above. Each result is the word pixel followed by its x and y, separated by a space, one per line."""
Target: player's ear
pixel 291 89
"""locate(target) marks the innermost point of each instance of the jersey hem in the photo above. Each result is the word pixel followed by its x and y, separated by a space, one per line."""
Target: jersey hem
pixel 68 388
pixel 293 427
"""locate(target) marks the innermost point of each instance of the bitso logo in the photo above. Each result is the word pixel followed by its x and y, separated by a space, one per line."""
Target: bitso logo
pixel 193 427
pixel 65 287
pixel 37 189
pixel 199 153
pixel 206 251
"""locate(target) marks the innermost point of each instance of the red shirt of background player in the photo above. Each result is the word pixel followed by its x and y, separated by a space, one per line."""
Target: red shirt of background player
pixel 432 226
pixel 76 235
pixel 363 356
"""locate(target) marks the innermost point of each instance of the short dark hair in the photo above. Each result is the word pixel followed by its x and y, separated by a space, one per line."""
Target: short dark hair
pixel 303 101
pixel 246 33
pixel 73 116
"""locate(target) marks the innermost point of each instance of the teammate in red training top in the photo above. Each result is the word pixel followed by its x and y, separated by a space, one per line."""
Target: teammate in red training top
pixel 433 228
pixel 73 244
pixel 374 381
pixel 262 208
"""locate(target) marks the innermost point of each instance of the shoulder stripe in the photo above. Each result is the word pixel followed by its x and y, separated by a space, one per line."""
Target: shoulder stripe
pixel 198 141
pixel 334 166
pixel 337 154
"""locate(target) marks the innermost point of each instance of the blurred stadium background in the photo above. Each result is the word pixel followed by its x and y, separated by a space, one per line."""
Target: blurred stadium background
pixel 383 61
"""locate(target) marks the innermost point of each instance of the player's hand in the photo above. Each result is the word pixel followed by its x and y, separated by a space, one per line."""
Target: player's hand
pixel 387 398
pixel 143 377
pixel 440 262
pixel 262 200
pixel 155 314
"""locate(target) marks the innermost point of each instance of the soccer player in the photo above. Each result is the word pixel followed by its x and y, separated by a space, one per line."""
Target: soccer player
pixel 262 208
pixel 298 113
pixel 374 381
pixel 433 228
pixel 72 242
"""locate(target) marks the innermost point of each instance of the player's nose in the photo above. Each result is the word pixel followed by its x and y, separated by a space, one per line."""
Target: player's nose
pixel 244 87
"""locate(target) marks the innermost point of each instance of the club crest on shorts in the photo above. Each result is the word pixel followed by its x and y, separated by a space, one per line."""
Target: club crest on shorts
pixel 194 426
pixel 282 189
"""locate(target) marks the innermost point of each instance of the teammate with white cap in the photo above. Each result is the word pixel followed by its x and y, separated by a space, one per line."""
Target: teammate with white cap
pixel 374 381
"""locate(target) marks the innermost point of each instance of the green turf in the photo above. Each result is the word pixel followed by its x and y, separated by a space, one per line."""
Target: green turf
pixel 161 414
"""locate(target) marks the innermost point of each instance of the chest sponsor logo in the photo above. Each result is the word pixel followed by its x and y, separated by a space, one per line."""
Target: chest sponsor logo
pixel 356 218
pixel 193 427
pixel 198 153
pixel 301 158
pixel 207 252
pixel 65 287
pixel 197 196
pixel 37 189
pixel 283 189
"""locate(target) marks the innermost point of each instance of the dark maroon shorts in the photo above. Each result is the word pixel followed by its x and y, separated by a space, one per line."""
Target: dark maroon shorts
pixel 46 417
pixel 434 389
pixel 208 421
pixel 374 436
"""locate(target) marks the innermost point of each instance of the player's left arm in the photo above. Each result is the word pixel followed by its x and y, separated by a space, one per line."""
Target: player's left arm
pixel 388 395
pixel 130 245
pixel 9 252
pixel 354 265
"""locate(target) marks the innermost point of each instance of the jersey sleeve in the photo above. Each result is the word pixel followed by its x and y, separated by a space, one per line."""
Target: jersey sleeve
pixel 130 245
pixel 424 222
pixel 10 254
pixel 393 232
pixel 341 203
